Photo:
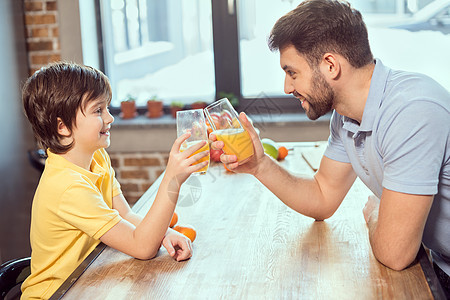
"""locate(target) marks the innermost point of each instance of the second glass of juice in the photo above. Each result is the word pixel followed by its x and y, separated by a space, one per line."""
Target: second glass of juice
pixel 225 124
pixel 193 121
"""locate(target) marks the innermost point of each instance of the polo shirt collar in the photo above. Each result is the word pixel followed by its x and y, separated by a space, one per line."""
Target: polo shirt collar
pixel 373 102
pixel 59 161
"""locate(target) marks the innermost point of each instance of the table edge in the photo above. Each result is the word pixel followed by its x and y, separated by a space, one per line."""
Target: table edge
pixel 70 281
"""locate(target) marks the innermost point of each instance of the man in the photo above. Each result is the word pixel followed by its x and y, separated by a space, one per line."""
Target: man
pixel 390 128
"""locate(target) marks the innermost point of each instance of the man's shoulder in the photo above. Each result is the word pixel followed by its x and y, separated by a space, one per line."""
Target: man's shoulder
pixel 409 88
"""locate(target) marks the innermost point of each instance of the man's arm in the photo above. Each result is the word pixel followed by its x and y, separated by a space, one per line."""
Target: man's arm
pixel 316 196
pixel 396 225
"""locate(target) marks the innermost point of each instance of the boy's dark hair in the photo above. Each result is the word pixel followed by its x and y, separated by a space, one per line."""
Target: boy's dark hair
pixel 58 90
pixel 316 27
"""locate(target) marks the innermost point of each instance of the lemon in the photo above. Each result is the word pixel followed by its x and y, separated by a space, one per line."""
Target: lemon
pixel 270 147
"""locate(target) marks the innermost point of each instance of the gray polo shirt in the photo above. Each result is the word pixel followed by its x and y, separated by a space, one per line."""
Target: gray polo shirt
pixel 402 144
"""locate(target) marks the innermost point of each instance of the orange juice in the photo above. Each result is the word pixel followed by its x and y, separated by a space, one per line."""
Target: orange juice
pixel 186 145
pixel 237 141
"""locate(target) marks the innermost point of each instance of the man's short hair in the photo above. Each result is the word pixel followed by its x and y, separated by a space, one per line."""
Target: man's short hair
pixel 58 90
pixel 316 27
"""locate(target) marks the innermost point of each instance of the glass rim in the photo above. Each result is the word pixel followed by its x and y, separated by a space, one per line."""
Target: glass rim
pixel 189 110
pixel 216 103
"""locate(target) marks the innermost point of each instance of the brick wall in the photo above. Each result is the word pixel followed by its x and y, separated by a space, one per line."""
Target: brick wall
pixel 135 171
pixel 42 34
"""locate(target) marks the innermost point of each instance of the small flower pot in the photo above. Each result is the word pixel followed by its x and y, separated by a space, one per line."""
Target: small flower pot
pixel 128 109
pixel 154 109
pixel 198 105
pixel 174 109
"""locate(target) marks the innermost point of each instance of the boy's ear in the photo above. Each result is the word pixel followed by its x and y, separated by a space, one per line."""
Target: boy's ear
pixel 62 128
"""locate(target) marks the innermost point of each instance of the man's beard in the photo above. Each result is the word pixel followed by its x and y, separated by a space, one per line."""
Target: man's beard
pixel 322 102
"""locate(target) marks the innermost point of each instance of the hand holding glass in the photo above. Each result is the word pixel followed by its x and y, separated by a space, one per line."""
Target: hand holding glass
pixel 226 126
pixel 193 121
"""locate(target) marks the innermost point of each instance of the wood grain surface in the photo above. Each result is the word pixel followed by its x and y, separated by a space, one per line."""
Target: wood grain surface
pixel 251 246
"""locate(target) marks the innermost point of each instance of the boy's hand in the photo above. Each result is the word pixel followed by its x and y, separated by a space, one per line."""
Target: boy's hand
pixel 180 165
pixel 177 245
pixel 251 166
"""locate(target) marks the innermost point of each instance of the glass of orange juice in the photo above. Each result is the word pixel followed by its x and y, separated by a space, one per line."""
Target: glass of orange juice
pixel 193 121
pixel 225 124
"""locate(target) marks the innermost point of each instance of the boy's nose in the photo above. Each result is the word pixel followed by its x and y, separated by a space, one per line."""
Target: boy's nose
pixel 110 118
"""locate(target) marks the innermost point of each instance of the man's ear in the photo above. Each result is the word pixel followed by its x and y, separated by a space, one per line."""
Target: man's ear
pixel 330 66
pixel 62 128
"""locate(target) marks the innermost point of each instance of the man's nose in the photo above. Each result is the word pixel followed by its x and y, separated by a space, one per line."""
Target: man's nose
pixel 288 86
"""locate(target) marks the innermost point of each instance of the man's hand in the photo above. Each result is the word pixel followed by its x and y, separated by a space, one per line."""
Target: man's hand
pixel 253 165
pixel 372 206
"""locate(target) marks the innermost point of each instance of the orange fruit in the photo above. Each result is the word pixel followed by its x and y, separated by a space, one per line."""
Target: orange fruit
pixel 187 230
pixel 174 219
pixel 225 166
pixel 282 152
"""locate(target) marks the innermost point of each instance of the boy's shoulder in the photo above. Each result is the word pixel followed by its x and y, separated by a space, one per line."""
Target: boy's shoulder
pixel 62 173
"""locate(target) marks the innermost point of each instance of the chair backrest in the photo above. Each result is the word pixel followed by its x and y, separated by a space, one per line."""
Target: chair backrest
pixel 12 273
pixel 37 159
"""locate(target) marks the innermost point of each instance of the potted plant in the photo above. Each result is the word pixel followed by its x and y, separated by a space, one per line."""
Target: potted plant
pixel 174 107
pixel 198 105
pixel 154 108
pixel 128 108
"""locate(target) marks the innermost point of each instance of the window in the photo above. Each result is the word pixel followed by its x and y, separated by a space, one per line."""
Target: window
pixel 195 50
pixel 159 49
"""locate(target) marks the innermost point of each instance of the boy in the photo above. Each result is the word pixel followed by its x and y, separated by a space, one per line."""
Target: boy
pixel 78 201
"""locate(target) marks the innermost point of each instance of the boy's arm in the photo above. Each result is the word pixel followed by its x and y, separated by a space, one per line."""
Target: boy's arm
pixel 124 209
pixel 144 240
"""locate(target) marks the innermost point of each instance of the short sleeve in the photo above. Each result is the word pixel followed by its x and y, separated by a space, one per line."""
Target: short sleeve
pixel 104 160
pixel 83 207
pixel 335 148
pixel 413 148
pixel 116 187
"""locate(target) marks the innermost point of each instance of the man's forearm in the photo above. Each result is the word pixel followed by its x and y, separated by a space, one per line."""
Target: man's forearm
pixel 301 193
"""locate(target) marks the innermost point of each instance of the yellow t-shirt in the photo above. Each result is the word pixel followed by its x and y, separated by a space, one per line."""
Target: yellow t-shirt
pixel 72 209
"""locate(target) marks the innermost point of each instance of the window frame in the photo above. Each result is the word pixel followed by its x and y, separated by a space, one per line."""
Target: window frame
pixel 226 62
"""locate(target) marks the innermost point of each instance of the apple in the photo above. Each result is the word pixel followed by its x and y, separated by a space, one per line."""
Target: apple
pixel 215 154
pixel 270 148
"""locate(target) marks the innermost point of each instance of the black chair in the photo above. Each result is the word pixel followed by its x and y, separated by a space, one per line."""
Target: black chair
pixel 12 273
pixel 37 159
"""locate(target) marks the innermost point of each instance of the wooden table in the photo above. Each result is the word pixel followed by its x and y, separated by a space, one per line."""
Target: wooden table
pixel 251 246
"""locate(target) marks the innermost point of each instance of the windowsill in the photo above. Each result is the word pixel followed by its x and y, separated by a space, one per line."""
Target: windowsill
pixel 143 134
pixel 167 121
